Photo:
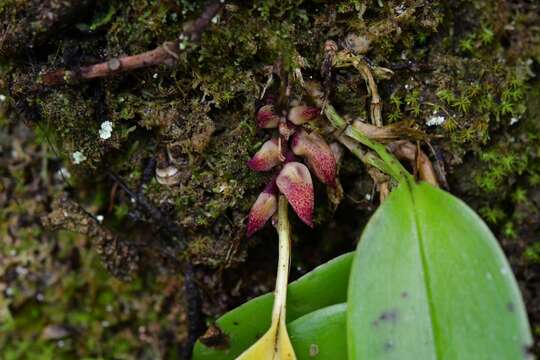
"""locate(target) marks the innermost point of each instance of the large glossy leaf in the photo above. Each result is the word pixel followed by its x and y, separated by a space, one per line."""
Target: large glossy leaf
pixel 429 281
pixel 324 286
pixel 320 334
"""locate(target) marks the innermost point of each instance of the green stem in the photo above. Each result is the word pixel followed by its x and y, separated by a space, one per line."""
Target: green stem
pixel 388 164
pixel 284 261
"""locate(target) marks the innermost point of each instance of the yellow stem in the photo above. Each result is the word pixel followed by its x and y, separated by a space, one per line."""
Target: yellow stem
pixel 275 343
pixel 284 261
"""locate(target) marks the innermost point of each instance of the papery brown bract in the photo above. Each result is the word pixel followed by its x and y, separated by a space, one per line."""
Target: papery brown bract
pixel 294 181
pixel 318 155
pixel 266 158
pixel 286 129
pixel 301 114
pixel 264 207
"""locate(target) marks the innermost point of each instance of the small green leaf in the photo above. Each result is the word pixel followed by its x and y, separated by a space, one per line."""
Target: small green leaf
pixel 324 286
pixel 320 334
pixel 429 281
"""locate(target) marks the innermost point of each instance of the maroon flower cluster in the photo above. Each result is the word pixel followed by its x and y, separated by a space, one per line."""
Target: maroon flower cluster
pixel 292 178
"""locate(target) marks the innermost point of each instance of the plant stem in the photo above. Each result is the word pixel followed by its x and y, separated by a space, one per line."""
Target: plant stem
pixel 284 261
pixel 391 165
pixel 275 343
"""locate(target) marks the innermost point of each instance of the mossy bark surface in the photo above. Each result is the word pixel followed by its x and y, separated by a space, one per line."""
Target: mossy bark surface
pixel 465 72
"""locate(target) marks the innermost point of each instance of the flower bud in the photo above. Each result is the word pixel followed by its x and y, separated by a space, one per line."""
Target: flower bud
pixel 301 114
pixel 318 155
pixel 294 181
pixel 266 158
pixel 267 118
pixel 264 207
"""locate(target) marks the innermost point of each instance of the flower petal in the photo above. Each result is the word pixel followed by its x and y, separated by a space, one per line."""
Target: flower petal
pixel 266 117
pixel 301 114
pixel 294 181
pixel 263 208
pixel 318 155
pixel 266 158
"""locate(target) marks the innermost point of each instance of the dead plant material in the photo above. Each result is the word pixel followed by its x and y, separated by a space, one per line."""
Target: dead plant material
pixel 40 21
pixel 405 150
pixel 392 132
pixel 164 54
pixel 346 58
pixel 120 257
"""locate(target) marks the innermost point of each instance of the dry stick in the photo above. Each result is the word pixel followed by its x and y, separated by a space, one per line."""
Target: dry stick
pixel 346 58
pixel 387 162
pixel 164 54
pixel 376 118
pixel 174 232
pixel 376 104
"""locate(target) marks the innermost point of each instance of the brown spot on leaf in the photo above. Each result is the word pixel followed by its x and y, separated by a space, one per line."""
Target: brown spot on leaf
pixel 215 338
pixel 510 307
pixel 388 345
pixel 388 316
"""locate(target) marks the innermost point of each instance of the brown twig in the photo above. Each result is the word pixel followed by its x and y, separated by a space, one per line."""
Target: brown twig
pixel 164 54
pixel 173 232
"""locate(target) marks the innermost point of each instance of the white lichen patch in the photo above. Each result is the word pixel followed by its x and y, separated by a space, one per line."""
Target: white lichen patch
pixel 62 174
pixel 106 130
pixel 78 157
pixel 435 120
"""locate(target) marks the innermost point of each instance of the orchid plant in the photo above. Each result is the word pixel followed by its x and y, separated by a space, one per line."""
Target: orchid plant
pixel 292 178
pixel 291 183
pixel 389 305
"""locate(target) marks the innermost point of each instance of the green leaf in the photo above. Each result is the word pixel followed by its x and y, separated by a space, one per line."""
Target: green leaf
pixel 429 281
pixel 320 334
pixel 325 285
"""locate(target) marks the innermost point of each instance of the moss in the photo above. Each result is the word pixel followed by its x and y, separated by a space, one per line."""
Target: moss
pixel 203 107
pixel 532 254
pixel 73 118
pixel 469 62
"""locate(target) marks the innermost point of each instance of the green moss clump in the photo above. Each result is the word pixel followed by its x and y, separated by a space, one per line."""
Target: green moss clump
pixel 455 63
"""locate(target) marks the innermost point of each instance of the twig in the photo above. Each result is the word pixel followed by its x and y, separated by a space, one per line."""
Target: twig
pixel 344 59
pixel 194 306
pixel 148 173
pixel 191 290
pixel 164 54
pixel 170 229
pixel 389 164
pixel 347 58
